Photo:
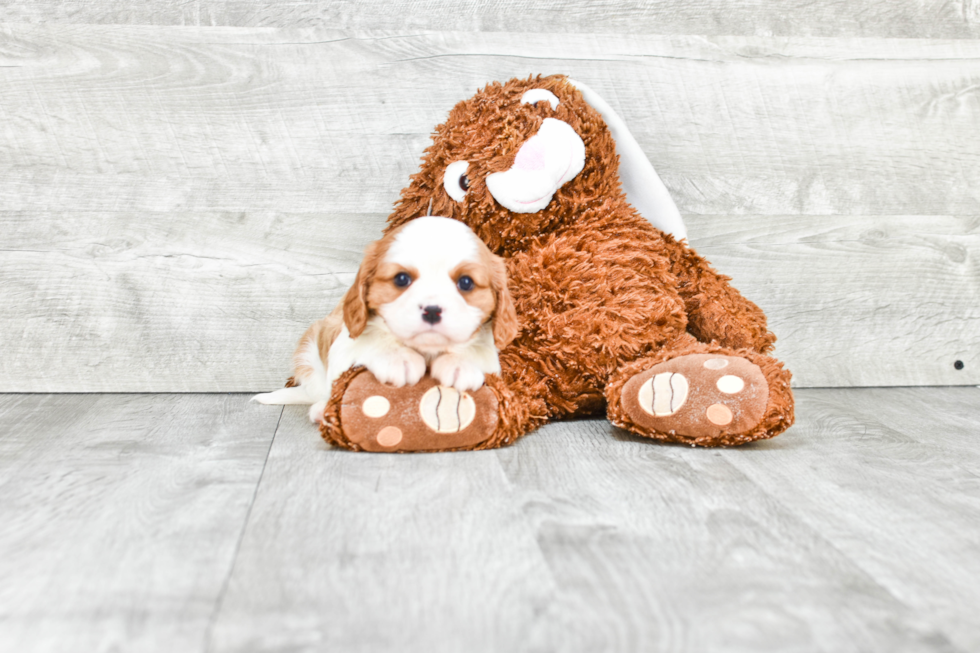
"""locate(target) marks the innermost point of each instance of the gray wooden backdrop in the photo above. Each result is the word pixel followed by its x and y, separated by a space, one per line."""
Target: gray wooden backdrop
pixel 185 186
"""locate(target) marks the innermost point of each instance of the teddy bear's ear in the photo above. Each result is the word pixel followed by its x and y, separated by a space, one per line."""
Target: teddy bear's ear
pixel 643 187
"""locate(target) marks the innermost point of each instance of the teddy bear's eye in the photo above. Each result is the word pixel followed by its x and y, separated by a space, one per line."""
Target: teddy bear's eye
pixel 535 95
pixel 455 181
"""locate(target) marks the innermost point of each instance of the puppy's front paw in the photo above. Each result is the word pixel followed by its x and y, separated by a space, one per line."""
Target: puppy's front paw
pixel 454 371
pixel 404 367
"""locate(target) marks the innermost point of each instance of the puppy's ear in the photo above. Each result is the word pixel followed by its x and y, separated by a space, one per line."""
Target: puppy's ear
pixel 505 325
pixel 355 301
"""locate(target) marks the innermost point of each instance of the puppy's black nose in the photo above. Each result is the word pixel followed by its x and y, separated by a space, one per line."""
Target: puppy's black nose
pixel 432 314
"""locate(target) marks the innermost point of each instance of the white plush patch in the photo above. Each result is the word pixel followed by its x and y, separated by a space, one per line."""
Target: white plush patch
pixel 730 384
pixel 546 161
pixel 641 183
pixel 535 95
pixel 376 406
pixel 452 179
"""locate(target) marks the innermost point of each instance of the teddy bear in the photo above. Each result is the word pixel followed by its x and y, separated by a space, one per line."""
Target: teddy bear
pixel 618 315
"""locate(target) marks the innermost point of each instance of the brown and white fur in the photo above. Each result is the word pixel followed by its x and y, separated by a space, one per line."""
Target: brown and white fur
pixel 438 321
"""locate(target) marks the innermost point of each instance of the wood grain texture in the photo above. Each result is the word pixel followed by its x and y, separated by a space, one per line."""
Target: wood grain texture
pixel 380 552
pixel 216 302
pixel 179 203
pixel 168 302
pixel 121 515
pixel 125 516
pixel 866 18
pixel 138 118
pixel 859 300
pixel 583 538
pixel 945 420
pixel 891 479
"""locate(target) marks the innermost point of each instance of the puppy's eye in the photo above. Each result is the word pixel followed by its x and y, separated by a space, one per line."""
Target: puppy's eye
pixel 464 283
pixel 402 280
pixel 455 181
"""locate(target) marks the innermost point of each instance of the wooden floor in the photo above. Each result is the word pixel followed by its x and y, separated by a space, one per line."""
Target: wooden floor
pixel 207 523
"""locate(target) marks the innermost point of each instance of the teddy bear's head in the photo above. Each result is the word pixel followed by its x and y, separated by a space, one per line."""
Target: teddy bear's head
pixel 521 159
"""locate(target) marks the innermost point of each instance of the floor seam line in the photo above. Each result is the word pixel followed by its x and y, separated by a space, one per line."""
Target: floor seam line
pixel 219 603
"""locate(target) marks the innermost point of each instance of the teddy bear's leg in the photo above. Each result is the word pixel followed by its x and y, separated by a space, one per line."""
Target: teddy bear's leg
pixel 702 394
pixel 366 415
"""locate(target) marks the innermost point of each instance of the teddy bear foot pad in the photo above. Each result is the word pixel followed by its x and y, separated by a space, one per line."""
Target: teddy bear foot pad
pixel 698 396
pixel 422 417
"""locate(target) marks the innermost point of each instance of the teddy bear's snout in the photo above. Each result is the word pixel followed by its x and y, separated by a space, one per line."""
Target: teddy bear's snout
pixel 543 164
pixel 531 156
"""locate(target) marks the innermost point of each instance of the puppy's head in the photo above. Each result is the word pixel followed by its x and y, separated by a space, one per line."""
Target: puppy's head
pixel 435 284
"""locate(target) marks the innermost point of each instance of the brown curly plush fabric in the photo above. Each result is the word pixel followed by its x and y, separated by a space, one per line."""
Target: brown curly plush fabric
pixel 601 294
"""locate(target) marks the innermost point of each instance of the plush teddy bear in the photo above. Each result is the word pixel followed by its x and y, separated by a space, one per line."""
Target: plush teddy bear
pixel 617 316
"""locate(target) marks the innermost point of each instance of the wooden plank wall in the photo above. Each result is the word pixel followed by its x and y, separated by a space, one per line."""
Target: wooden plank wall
pixel 184 187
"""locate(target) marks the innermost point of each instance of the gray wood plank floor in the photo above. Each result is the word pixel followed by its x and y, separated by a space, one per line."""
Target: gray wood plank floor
pixel 121 515
pixel 205 523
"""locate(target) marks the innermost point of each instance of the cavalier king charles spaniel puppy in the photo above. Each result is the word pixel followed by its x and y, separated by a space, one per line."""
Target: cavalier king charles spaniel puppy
pixel 428 296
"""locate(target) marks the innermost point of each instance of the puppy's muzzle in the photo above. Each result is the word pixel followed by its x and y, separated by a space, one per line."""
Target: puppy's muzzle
pixel 432 314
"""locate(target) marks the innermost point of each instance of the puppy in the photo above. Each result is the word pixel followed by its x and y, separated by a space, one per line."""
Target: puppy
pixel 429 295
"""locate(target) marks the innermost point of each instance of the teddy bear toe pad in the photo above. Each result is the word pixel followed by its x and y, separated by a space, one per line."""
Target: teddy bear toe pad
pixel 698 396
pixel 422 417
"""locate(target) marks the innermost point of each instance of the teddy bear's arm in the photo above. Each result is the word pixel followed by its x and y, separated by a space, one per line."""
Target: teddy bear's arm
pixel 717 311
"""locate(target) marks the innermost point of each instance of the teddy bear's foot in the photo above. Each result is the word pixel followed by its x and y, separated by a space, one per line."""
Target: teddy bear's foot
pixel 707 399
pixel 422 417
